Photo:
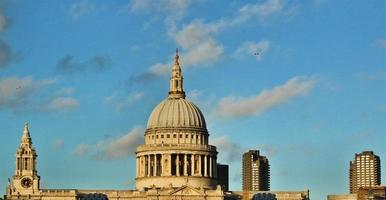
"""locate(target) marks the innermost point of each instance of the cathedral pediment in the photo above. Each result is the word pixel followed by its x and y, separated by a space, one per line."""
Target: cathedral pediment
pixel 187 190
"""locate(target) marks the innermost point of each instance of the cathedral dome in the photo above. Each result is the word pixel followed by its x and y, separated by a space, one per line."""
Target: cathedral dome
pixel 176 113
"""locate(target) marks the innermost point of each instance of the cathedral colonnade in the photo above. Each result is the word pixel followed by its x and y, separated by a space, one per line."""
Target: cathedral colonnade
pixel 176 164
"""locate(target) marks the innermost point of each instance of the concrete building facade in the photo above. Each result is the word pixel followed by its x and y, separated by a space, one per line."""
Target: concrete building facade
pixel 365 171
pixel 255 171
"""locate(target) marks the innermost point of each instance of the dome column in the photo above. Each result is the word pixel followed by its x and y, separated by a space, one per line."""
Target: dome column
pixel 148 165
pixel 155 165
pixel 192 164
pixel 177 164
pixel 185 165
pixel 210 166
pixel 199 165
pixel 205 166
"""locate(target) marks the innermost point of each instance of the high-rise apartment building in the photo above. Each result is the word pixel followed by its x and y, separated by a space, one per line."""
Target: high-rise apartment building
pixel 365 171
pixel 255 171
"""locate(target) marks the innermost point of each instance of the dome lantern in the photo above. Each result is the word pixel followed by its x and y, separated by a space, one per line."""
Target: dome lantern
pixel 176 80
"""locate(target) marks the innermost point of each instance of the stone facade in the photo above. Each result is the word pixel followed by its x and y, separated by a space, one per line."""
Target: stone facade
pixel 342 197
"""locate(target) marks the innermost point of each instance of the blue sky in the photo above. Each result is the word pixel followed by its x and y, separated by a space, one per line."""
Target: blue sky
pixel 302 81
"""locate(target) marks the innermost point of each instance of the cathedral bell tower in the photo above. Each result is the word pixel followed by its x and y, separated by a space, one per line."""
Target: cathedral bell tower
pixel 26 179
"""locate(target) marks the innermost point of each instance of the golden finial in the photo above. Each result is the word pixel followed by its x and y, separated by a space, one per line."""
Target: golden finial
pixel 176 58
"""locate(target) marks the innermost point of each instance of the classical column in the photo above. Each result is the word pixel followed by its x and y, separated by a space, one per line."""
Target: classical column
pixel 148 165
pixel 185 165
pixel 215 167
pixel 205 166
pixel 210 167
pixel 192 164
pixel 141 166
pixel 136 167
pixel 155 165
pixel 177 164
pixel 199 165
pixel 170 164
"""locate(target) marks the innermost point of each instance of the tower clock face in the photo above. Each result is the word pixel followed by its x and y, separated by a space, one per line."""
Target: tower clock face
pixel 26 182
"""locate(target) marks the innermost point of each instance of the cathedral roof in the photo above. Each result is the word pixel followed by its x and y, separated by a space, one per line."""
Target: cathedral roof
pixel 176 111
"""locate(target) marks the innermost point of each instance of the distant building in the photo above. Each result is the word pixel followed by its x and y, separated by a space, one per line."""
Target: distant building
pixel 273 195
pixel 255 172
pixel 342 197
pixel 365 171
pixel 223 176
pixel 374 193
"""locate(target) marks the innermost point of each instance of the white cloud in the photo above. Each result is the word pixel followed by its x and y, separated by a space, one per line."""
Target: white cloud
pixel 62 104
pixel 112 148
pixel 121 102
pixel 231 107
pixel 262 10
pixel 197 39
pixel 256 49
pixel 17 91
pixel 202 54
pixel 81 8
pixel 160 69
pixel 190 35
pixel 25 94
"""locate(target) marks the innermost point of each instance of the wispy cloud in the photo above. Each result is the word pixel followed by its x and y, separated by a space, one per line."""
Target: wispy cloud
pixel 57 144
pixel 112 148
pixel 233 106
pixel 381 43
pixel 361 136
pixel 69 65
pixel 376 76
pixel 123 101
pixel 16 92
pixel 3 21
pixel 230 151
pixel 65 91
pixel 170 6
pixel 81 8
pixel 256 49
pixel 200 48
pixel 62 104
pixel 25 94
pixel 6 52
